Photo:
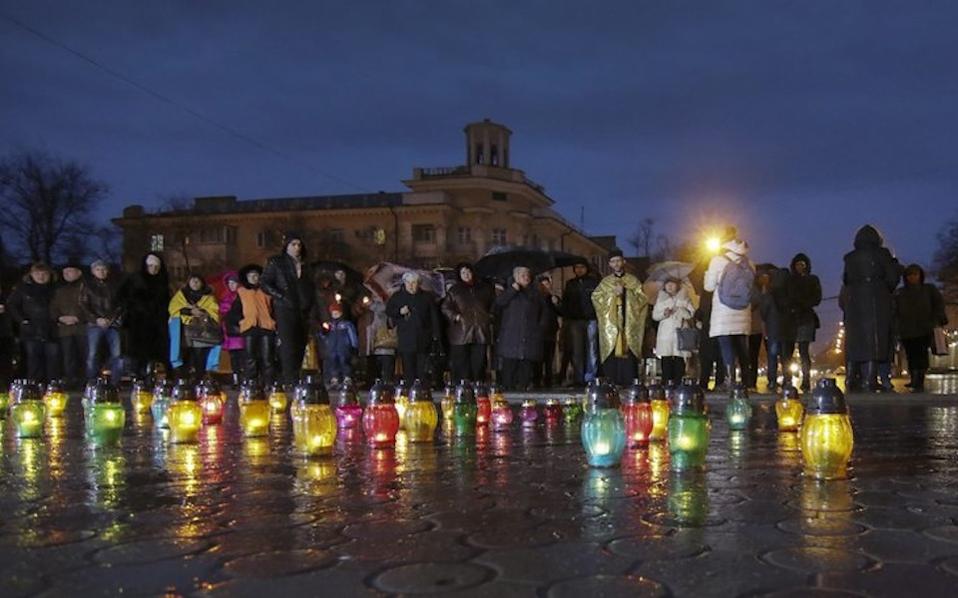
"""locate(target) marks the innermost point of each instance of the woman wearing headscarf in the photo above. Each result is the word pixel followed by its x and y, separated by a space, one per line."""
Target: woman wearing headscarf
pixel 143 299
pixel 919 309
pixel 673 307
pixel 233 340
pixel 803 293
pixel 192 304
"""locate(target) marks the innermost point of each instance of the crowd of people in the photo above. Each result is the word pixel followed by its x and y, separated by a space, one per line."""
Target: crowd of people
pixel 714 319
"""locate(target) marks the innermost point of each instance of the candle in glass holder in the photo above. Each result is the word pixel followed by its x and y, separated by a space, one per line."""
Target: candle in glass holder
pixel 349 412
pixel 161 403
pixel 464 411
pixel 314 425
pixel 107 416
pixel 212 401
pixel 603 429
pixel 827 437
pixel 660 411
pixel 483 404
pixel 278 401
pixel 380 419
pixel 140 397
pixel 529 413
pixel 27 411
pixel 254 410
pixel 502 415
pixel 637 413
pixel 448 402
pixel 401 399
pixel 572 410
pixel 689 428
pixel 738 410
pixel 185 415
pixel 55 399
pixel 789 410
pixel 552 411
pixel 421 417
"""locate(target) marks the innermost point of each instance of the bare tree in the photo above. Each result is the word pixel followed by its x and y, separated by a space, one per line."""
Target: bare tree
pixel 647 243
pixel 946 256
pixel 46 204
pixel 182 230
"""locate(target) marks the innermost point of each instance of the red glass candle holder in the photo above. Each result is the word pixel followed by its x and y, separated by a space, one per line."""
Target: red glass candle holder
pixel 381 423
pixel 553 411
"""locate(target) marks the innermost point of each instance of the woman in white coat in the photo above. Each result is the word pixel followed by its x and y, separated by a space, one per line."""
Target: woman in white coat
pixel 672 308
pixel 731 323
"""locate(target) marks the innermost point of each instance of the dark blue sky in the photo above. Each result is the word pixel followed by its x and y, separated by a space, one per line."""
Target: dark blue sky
pixel 798 121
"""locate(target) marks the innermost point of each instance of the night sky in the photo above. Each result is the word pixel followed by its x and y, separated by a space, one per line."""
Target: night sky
pixel 796 121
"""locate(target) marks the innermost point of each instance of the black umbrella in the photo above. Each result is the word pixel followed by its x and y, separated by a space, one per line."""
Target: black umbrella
pixel 500 262
pixel 329 268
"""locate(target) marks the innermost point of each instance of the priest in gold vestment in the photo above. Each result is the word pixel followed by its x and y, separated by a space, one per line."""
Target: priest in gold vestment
pixel 621 308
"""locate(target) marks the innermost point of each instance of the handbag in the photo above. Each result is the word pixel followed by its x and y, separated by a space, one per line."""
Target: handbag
pixel 939 342
pixel 688 337
pixel 385 338
pixel 202 331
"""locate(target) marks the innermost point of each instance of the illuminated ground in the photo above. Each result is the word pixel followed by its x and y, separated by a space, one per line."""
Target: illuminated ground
pixel 515 514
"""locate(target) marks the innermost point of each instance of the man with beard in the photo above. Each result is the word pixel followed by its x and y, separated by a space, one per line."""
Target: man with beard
pixel 621 308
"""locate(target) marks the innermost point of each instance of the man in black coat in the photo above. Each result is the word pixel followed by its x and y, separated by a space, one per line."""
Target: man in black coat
pixel 417 326
pixel 919 309
pixel 522 317
pixel 29 306
pixel 870 277
pixel 468 309
pixel 287 281
pixel 579 324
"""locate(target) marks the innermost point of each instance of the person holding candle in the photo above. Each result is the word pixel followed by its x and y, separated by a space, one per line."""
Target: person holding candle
pixel 339 343
pixel 98 305
pixel 621 308
pixel 252 315
pixel 378 339
pixel 468 310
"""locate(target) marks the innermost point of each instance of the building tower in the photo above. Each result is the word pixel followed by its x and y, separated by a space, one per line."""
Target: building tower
pixel 487 143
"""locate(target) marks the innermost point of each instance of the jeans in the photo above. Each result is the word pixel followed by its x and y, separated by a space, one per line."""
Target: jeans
pixel 94 335
pixel 734 347
pixel 337 365
pixel 43 359
pixel 754 351
pixel 73 351
pixel 583 345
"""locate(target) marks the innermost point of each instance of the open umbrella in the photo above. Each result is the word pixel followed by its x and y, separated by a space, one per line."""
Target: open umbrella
pixel 385 278
pixel 329 268
pixel 663 271
pixel 500 262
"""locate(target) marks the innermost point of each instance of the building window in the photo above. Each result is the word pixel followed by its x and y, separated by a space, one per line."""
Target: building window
pixel 423 233
pixel 465 235
pixel 499 196
pixel 494 155
pixel 263 239
pixel 336 235
pixel 479 157
pixel 156 243
pixel 218 235
pixel 498 236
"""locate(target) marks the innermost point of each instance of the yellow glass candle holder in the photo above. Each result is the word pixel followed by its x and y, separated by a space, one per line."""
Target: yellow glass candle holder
pixel 789 410
pixel 827 436
pixel 185 415
pixel 141 398
pixel 421 420
pixel 254 411
pixel 55 399
pixel 314 424
pixel 278 401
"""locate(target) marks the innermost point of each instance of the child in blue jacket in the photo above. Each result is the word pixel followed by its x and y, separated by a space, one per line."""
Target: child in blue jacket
pixel 339 341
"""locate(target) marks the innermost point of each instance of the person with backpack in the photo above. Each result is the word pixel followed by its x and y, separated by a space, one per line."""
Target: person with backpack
pixel 731 278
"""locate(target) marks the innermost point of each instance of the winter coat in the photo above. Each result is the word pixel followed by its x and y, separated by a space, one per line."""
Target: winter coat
pixel 98 300
pixel 666 339
pixel 143 300
pixel 181 307
pixel 724 320
pixel 29 306
pixel 291 294
pixel 340 339
pixel 472 305
pixel 803 295
pixel 230 343
pixel 551 327
pixel 871 275
pixel 771 306
pixel 376 329
pixel 577 298
pixel 918 310
pixel 522 316
pixel 67 301
pixel 419 329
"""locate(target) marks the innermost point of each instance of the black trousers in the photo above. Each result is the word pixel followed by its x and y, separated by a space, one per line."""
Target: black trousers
pixel 710 359
pixel 517 373
pixel 621 371
pixel 916 351
pixel 43 359
pixel 804 356
pixel 73 353
pixel 260 355
pixel 577 348
pixel 415 365
pixel 673 369
pixel 754 350
pixel 382 367
pixel 468 362
pixel 237 360
pixel 545 372
pixel 291 341
pixel 195 359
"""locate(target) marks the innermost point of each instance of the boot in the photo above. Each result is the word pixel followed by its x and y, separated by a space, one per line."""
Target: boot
pixel 918 381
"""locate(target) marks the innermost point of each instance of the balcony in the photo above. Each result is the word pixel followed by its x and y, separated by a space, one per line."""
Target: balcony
pixel 477 170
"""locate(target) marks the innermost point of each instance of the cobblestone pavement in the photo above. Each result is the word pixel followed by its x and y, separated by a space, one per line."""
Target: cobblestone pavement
pixel 509 514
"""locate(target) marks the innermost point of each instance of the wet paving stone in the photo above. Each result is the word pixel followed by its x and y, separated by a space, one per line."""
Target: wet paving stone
pixel 512 514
